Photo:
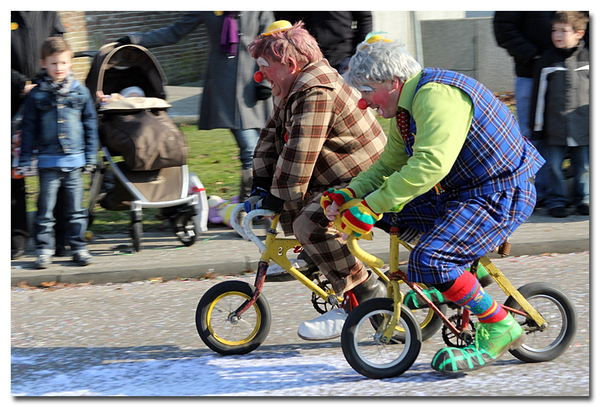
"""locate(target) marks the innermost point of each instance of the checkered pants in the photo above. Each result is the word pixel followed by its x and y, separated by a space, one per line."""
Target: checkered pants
pixel 457 232
pixel 323 243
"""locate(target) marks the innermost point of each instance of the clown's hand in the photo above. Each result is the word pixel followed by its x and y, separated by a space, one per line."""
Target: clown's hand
pixel 253 201
pixel 359 219
pixel 339 197
pixel 261 199
pixel 332 211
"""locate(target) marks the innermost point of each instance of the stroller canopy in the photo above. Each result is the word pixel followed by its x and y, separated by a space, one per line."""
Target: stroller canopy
pixel 115 68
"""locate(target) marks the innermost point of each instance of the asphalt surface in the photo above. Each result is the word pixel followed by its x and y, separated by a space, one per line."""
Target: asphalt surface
pixel 220 251
pixel 139 339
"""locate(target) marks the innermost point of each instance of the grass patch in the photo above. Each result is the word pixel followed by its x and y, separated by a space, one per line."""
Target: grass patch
pixel 213 156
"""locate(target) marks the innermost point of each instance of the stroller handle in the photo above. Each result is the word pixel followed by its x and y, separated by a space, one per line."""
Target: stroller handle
pixel 89 54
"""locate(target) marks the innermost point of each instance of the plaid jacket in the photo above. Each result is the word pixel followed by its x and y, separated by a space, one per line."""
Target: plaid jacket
pixel 316 138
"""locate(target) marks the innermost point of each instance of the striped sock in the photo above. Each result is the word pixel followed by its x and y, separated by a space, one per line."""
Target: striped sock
pixel 468 293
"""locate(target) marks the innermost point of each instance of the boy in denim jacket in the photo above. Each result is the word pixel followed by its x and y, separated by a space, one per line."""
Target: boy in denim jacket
pixel 59 119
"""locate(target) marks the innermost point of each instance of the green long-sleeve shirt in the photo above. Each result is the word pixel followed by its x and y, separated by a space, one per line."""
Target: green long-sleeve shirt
pixel 443 115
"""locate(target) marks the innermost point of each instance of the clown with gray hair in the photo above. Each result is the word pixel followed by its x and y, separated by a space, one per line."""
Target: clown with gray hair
pixel 364 67
pixel 457 169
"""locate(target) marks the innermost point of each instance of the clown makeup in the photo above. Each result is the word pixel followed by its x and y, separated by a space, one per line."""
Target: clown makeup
pixel 382 96
pixel 263 63
pixel 280 76
pixel 365 89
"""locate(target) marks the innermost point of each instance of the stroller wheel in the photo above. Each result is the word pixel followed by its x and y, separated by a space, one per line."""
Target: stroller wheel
pixel 136 235
pixel 185 228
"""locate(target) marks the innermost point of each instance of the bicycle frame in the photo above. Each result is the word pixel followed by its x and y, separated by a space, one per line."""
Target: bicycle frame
pixel 398 276
pixel 275 249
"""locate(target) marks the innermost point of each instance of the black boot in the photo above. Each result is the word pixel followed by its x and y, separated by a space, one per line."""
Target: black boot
pixel 18 243
pixel 372 287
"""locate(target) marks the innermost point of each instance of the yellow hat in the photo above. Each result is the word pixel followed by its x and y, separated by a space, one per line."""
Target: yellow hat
pixel 277 26
pixel 372 38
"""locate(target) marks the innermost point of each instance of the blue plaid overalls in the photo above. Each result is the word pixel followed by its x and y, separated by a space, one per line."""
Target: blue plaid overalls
pixel 483 199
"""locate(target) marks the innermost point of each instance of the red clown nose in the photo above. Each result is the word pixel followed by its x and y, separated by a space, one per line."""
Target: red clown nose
pixel 362 104
pixel 258 76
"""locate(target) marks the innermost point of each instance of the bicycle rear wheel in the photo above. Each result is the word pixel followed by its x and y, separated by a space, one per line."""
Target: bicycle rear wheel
pixel 224 333
pixel 561 316
pixel 362 345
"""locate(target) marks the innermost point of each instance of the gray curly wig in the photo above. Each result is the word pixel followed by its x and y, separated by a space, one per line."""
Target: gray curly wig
pixel 380 61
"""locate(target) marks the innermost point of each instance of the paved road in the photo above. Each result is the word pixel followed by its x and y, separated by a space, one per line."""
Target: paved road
pixel 139 339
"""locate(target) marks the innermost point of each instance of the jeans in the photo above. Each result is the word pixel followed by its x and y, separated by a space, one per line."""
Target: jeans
pixel 246 140
pixel 523 89
pixel 75 215
pixel 558 195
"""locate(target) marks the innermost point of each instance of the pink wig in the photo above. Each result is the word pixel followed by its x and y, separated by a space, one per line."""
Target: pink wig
pixel 295 43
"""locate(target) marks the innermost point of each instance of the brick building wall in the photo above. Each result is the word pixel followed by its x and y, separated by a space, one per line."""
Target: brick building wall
pixel 89 30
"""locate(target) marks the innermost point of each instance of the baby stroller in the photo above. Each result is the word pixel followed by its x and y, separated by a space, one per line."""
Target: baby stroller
pixel 143 150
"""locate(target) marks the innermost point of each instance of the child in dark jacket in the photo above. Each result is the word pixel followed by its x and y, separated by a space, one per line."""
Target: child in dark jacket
pixel 560 112
pixel 59 118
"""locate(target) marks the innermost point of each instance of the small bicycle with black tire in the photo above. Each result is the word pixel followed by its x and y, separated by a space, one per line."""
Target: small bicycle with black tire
pixel 373 347
pixel 234 317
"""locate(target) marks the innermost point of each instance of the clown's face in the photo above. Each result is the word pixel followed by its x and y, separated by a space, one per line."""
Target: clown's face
pixel 280 76
pixel 382 96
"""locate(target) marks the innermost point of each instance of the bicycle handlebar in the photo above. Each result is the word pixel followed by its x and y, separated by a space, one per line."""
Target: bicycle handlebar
pixel 246 232
pixel 367 258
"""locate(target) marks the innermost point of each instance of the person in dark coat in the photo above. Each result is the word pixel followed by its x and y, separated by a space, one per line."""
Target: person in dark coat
pixel 337 32
pixel 230 99
pixel 29 29
pixel 560 114
pixel 526 35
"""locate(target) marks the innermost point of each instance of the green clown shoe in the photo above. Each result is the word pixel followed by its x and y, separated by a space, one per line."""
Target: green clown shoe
pixel 491 341
pixel 413 301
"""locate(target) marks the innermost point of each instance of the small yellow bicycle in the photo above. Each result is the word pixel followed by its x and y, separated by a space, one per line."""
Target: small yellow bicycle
pixel 233 317
pixel 373 347
pixel 381 337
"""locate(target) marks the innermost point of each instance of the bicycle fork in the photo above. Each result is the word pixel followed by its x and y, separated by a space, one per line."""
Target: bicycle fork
pixel 511 291
pixel 276 250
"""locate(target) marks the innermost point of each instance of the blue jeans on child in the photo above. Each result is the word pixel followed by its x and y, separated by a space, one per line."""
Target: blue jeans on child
pixel 558 195
pixel 76 216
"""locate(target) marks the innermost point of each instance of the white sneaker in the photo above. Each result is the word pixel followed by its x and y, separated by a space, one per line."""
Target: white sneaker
pixel 327 326
pixel 276 269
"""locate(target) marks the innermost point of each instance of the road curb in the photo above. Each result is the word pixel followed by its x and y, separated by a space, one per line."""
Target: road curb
pixel 78 275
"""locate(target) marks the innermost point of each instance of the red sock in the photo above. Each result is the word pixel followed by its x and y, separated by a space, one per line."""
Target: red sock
pixel 467 292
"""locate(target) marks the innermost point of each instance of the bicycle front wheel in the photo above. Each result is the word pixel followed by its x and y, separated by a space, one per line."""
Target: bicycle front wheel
pixel 362 345
pixel 561 316
pixel 220 330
